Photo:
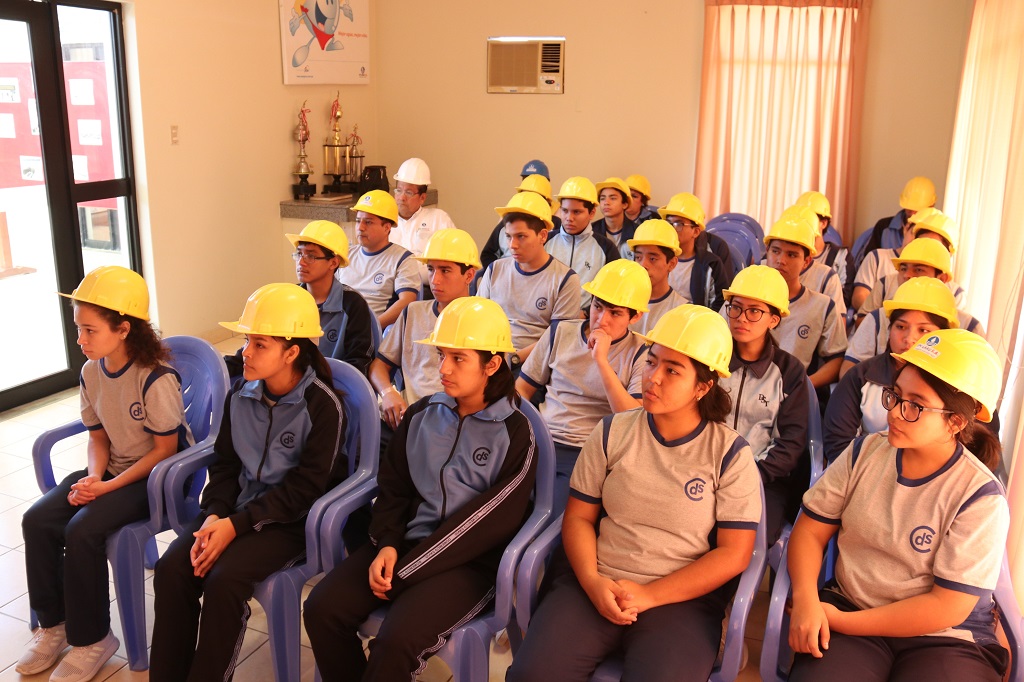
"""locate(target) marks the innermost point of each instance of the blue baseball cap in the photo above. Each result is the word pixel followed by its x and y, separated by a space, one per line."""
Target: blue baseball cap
pixel 536 167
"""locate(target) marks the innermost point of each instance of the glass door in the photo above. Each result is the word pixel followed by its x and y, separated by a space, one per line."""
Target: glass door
pixel 66 192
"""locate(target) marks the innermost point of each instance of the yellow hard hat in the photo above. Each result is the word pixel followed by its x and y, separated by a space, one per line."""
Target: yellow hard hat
pixel 917 194
pixel 379 203
pixel 640 184
pixel 286 310
pixel 934 220
pixel 326 234
pixel 530 204
pixel 622 282
pixel 579 187
pixel 805 213
pixel 615 183
pixel 684 205
pixel 963 360
pixel 795 226
pixel 116 288
pixel 474 323
pixel 925 251
pixel 696 332
pixel 926 294
pixel 451 244
pixel 817 202
pixel 761 283
pixel 655 232
pixel 537 184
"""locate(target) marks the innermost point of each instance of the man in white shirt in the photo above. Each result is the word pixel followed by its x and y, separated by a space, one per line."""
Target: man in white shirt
pixel 416 222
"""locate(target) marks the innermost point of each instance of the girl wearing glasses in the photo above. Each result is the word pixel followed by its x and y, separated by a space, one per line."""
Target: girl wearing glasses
pixel 922 305
pixel 768 387
pixel 921 524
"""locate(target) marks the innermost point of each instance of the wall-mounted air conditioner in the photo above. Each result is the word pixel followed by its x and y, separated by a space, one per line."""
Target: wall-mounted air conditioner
pixel 526 64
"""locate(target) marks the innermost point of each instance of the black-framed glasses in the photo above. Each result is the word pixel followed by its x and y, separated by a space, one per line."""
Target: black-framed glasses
pixel 909 410
pixel 734 311
pixel 680 223
pixel 307 257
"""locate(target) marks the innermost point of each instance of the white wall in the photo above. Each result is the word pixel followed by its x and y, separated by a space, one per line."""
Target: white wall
pixel 211 226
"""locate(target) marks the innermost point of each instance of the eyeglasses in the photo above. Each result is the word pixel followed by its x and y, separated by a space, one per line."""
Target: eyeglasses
pixel 909 410
pixel 752 314
pixel 679 222
pixel 307 257
pixel 408 193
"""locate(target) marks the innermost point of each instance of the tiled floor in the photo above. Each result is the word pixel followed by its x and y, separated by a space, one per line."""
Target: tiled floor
pixel 18 489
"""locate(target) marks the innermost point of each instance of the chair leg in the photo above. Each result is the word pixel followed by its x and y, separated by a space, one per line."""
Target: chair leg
pixel 125 551
pixel 281 603
pixel 468 653
pixel 152 554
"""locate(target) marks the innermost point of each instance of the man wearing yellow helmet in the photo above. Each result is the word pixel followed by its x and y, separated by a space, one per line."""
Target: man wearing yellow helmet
pixel 890 233
pixel 639 209
pixel 497 244
pixel 613 197
pixel 656 248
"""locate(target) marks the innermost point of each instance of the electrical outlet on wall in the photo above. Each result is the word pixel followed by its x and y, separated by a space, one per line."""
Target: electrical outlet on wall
pixel 174 134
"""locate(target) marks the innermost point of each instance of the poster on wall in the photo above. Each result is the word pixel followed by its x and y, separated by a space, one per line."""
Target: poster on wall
pixel 325 41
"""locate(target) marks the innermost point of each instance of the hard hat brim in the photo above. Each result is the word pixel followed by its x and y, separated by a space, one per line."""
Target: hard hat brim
pixel 119 312
pixel 296 238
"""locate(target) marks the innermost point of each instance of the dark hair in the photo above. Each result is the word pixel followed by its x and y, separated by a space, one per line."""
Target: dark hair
pixel 143 341
pixel 807 252
pixel 828 221
pixel 309 356
pixel 532 222
pixel 606 304
pixel 716 404
pixel 945 242
pixel 422 189
pixel 501 384
pixel 327 252
pixel 589 205
pixel 980 441
pixel 669 253
pixel 938 320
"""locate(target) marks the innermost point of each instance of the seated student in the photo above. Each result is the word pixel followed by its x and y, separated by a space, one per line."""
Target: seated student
pixel 452 262
pixel 576 244
pixel 653 569
pixel 613 197
pixel 700 275
pixel 384 273
pixel 813 332
pixel 921 525
pixel 922 305
pixel 768 387
pixel 416 222
pixel 125 375
pixel 816 276
pixel 279 449
pixel 497 244
pixel 890 233
pixel 532 286
pixel 656 248
pixel 830 254
pixel 320 249
pixel 455 487
pixel 639 209
pixel 589 368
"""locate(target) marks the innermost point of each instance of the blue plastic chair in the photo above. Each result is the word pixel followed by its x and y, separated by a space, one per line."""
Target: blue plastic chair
pixel 743 219
pixel 281 593
pixel 816 452
pixel 468 648
pixel 375 333
pixel 776 656
pixel 204 385
pixel 535 560
pixel 744 246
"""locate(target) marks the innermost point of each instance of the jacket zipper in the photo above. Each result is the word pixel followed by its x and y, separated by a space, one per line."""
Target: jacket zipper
pixel 739 398
pixel 266 444
pixel 440 475
pixel 572 249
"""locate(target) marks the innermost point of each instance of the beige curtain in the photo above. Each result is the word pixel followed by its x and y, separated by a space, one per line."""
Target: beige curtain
pixel 781 93
pixel 985 193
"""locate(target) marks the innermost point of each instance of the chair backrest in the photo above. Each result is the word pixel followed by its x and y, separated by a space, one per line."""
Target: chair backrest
pixel 815 442
pixel 204 383
pixel 747 221
pixel 545 486
pixel 1010 617
pixel 362 430
pixel 745 249
pixel 375 333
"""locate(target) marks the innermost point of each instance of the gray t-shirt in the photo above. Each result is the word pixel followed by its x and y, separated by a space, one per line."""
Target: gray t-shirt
pixel 872 335
pixel 823 279
pixel 380 276
pixel 898 537
pixel 576 399
pixel 663 498
pixel 657 308
pixel 813 328
pixel 417 361
pixel 532 300
pixel 132 406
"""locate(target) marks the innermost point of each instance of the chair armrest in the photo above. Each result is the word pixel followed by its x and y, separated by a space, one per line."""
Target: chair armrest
pixel 178 471
pixel 529 571
pixel 775 653
pixel 316 515
pixel 746 592
pixel 155 482
pixel 332 546
pixel 504 594
pixel 44 445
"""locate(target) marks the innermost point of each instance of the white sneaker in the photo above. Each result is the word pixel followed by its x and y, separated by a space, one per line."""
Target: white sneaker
pixel 43 650
pixel 82 664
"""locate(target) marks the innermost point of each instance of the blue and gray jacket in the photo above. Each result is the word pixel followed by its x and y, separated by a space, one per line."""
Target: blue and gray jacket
pixel 274 461
pixel 453 489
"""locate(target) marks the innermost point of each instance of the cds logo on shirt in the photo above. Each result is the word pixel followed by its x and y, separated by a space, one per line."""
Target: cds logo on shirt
pixel 378 278
pixel 694 489
pixel 480 456
pixel 804 331
pixel 136 412
pixel 921 539
pixel 288 439
pixel 332 335
pixel 542 303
